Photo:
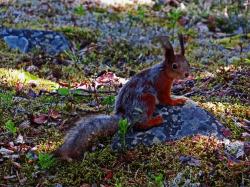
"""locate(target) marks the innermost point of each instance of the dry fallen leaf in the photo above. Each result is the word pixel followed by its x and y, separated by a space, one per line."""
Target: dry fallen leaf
pixel 40 119
pixel 54 114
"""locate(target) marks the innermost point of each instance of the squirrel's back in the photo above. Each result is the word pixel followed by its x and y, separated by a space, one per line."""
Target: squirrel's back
pixel 128 101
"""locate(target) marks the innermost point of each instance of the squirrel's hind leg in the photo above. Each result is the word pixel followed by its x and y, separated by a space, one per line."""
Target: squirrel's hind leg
pixel 153 122
pixel 149 101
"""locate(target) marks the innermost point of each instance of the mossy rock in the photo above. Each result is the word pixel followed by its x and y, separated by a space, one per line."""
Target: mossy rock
pixel 179 122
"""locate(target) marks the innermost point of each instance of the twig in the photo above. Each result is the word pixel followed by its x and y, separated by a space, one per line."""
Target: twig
pixel 91 111
pixel 191 93
pixel 93 91
pixel 4 133
pixel 17 174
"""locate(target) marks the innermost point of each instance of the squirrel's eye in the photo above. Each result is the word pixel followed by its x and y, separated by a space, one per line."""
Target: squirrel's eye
pixel 174 66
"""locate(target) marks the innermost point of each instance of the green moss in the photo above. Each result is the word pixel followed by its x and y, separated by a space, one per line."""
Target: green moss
pixel 113 16
pixel 3 9
pixel 233 41
pixel 226 111
pixel 138 166
pixel 123 51
pixel 90 169
pixel 78 34
pixel 40 24
pixel 9 57
pixel 11 77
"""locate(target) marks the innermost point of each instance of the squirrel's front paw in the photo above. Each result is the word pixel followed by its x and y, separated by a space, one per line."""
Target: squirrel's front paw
pixel 180 101
pixel 174 102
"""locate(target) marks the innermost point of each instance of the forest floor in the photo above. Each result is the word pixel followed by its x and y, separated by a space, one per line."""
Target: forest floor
pixel 38 106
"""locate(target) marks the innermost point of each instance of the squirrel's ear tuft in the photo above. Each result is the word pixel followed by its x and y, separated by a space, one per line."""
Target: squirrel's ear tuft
pixel 168 49
pixel 181 44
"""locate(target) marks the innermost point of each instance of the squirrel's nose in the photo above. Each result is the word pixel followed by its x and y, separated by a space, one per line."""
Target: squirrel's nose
pixel 186 74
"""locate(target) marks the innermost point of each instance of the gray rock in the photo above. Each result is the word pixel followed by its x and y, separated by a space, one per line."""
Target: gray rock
pixel 31 68
pixel 25 40
pixel 235 148
pixel 182 179
pixel 16 42
pixel 202 27
pixel 233 59
pixel 179 122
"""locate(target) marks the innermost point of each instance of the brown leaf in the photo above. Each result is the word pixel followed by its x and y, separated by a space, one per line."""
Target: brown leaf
pixel 16 165
pixel 19 86
pixel 226 132
pixel 109 78
pixel 108 174
pixel 85 185
pixel 106 77
pixel 247 148
pixel 54 114
pixel 40 119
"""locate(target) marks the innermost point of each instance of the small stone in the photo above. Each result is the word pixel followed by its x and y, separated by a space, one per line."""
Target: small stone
pixel 245 135
pixel 49 36
pixel 85 185
pixel 235 148
pixel 174 118
pixel 20 140
pixel 134 142
pixel 190 160
pixel 52 124
pixel 156 140
pixel 25 125
pixel 14 156
pixel 19 99
pixel 32 68
pixel 5 151
pixel 202 27
pixel 11 144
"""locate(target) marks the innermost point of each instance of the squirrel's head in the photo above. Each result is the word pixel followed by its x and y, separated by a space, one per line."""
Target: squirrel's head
pixel 177 66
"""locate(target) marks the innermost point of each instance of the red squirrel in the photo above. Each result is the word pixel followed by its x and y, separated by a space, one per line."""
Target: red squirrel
pixel 136 102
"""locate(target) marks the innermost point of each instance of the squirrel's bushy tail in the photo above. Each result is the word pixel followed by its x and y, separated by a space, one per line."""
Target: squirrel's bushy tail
pixel 85 133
